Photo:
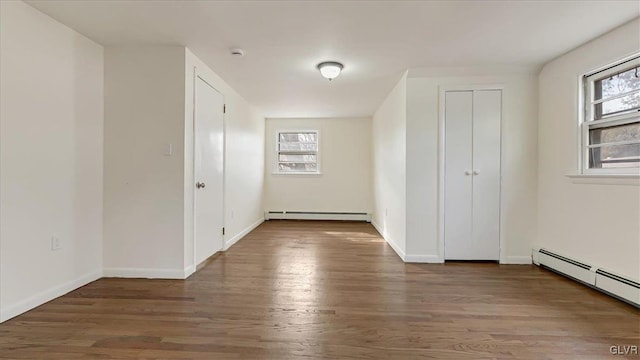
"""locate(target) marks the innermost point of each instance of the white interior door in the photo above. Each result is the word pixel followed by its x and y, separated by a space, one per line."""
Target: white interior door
pixel 208 170
pixel 487 106
pixel 458 173
pixel 472 175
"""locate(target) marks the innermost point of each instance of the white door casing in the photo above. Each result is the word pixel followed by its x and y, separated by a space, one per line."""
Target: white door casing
pixel 208 170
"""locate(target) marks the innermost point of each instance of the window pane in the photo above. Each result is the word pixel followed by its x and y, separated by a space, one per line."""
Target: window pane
pixel 298 137
pixel 616 106
pixel 284 137
pixel 615 156
pixel 620 83
pixel 298 167
pixel 298 142
pixel 297 146
pixel 612 134
pixel 297 158
pixel 307 137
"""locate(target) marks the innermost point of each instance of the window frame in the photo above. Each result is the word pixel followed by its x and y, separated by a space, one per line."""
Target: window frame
pixel 587 122
pixel 276 168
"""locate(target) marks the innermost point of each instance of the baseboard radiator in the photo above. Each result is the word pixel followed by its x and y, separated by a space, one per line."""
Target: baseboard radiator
pixel 600 279
pixel 316 215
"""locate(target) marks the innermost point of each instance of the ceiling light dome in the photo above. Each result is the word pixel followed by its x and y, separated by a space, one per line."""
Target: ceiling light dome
pixel 330 69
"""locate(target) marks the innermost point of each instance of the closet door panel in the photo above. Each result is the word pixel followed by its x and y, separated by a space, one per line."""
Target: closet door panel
pixel 487 112
pixel 458 179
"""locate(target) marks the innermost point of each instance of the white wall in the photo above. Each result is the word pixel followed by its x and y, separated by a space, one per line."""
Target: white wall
pixel 143 208
pixel 51 117
pixel 148 195
pixel 345 164
pixel 597 222
pixel 519 158
pixel 244 160
pixel 389 166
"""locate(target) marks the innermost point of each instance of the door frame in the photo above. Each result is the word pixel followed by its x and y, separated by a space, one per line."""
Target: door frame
pixel 442 89
pixel 199 75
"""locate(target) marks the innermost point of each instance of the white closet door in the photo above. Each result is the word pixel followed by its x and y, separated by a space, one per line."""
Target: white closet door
pixel 458 179
pixel 208 170
pixel 472 175
pixel 486 176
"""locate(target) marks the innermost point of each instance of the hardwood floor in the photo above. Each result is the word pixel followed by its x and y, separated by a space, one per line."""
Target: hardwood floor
pixel 334 290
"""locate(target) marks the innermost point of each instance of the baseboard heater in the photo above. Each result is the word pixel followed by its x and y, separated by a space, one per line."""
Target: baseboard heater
pixel 614 285
pixel 316 215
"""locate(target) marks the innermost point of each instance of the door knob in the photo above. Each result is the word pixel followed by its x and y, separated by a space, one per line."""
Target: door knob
pixel 476 172
pixel 200 185
pixel 467 172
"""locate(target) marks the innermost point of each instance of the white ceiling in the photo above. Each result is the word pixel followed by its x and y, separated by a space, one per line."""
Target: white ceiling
pixel 376 40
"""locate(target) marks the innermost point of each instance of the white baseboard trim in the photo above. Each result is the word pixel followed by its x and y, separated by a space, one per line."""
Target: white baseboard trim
pixel 310 215
pixel 389 241
pixel 42 297
pixel 535 255
pixel 144 273
pixel 229 243
pixel 189 270
pixel 516 260
pixel 429 259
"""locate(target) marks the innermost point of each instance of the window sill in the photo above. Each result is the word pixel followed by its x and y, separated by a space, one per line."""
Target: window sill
pixel 297 173
pixel 605 179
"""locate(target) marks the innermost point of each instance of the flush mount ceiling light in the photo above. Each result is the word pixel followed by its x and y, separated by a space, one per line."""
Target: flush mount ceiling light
pixel 330 69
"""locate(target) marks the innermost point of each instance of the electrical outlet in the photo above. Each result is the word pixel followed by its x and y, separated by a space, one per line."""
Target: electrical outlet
pixel 56 244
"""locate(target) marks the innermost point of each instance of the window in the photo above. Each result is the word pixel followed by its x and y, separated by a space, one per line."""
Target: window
pixel 297 152
pixel 611 128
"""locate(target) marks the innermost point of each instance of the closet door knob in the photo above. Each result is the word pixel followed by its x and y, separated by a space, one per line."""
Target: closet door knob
pixel 475 172
pixel 467 172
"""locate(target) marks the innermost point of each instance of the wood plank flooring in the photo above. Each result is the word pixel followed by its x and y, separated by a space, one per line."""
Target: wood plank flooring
pixel 327 290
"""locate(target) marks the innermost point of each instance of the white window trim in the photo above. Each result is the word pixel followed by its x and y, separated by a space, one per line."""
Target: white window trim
pixel 605 179
pixel 612 175
pixel 276 170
